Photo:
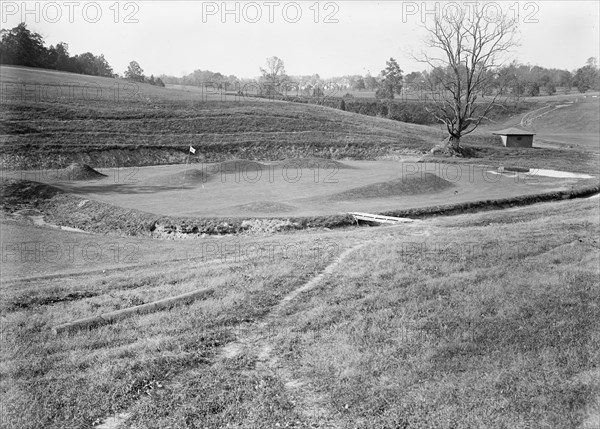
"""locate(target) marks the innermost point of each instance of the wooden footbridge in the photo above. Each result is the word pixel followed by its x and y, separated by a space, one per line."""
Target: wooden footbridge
pixel 367 217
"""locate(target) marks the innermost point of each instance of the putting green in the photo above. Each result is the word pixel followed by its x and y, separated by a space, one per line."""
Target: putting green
pixel 299 187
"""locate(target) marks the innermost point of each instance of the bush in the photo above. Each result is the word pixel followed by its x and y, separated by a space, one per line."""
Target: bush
pixel 532 89
pixel 414 112
pixel 384 93
pixel 550 88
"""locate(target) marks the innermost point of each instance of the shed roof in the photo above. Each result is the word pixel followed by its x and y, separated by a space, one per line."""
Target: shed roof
pixel 513 131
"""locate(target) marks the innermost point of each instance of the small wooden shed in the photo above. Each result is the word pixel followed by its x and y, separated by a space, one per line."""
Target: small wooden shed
pixel 515 137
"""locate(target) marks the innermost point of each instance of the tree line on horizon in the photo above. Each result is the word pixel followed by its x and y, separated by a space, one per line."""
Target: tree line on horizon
pixel 21 47
pixel 518 80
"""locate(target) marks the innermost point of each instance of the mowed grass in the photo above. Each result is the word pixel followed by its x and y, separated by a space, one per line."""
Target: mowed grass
pixel 486 320
pixel 35 84
pixel 298 188
pixel 567 134
pixel 574 125
pixel 581 116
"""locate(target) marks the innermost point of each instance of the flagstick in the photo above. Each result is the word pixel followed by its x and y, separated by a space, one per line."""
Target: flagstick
pixel 187 158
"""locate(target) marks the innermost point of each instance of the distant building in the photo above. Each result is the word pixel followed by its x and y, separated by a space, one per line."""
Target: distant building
pixel 515 137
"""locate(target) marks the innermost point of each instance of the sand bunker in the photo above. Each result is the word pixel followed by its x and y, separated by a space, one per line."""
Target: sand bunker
pixel 413 185
pixel 559 174
pixel 512 172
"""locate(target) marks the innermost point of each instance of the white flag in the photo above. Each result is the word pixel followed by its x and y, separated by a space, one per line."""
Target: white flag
pixel 192 150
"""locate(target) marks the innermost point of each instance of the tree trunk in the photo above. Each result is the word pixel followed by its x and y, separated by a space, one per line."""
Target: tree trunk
pixel 453 143
pixel 450 146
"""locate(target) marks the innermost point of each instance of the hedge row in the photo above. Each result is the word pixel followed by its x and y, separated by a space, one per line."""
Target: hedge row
pixel 415 112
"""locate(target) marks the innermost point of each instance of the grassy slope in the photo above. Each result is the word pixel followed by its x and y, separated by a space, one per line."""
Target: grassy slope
pixel 581 117
pixel 497 330
pixel 50 131
pixel 71 381
pixel 574 125
pixel 567 137
pixel 126 125
pixel 505 335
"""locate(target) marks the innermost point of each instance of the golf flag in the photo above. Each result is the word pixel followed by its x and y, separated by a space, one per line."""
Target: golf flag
pixel 192 150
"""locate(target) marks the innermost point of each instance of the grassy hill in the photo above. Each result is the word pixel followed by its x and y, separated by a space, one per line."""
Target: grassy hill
pixel 580 117
pixel 485 320
pixel 574 123
pixel 50 119
pixel 476 320
pixel 567 136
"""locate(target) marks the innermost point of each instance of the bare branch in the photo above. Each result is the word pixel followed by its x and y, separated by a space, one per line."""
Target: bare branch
pixel 470 49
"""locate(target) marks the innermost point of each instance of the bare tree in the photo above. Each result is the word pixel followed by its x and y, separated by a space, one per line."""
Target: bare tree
pixel 469 51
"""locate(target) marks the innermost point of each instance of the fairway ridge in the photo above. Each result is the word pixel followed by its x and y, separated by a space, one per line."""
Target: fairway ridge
pixel 411 185
pixel 77 171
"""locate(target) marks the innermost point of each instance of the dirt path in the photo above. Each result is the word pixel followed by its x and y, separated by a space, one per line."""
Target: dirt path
pixel 528 118
pixel 256 341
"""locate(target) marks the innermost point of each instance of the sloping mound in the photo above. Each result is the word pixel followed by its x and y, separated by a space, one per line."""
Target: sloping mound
pixel 14 193
pixel 78 171
pixel 572 118
pixel 238 165
pixel 313 163
pixel 424 184
pixel 192 176
pixel 265 207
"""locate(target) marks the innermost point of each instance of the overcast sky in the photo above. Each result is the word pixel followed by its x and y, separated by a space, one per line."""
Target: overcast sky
pixel 329 38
